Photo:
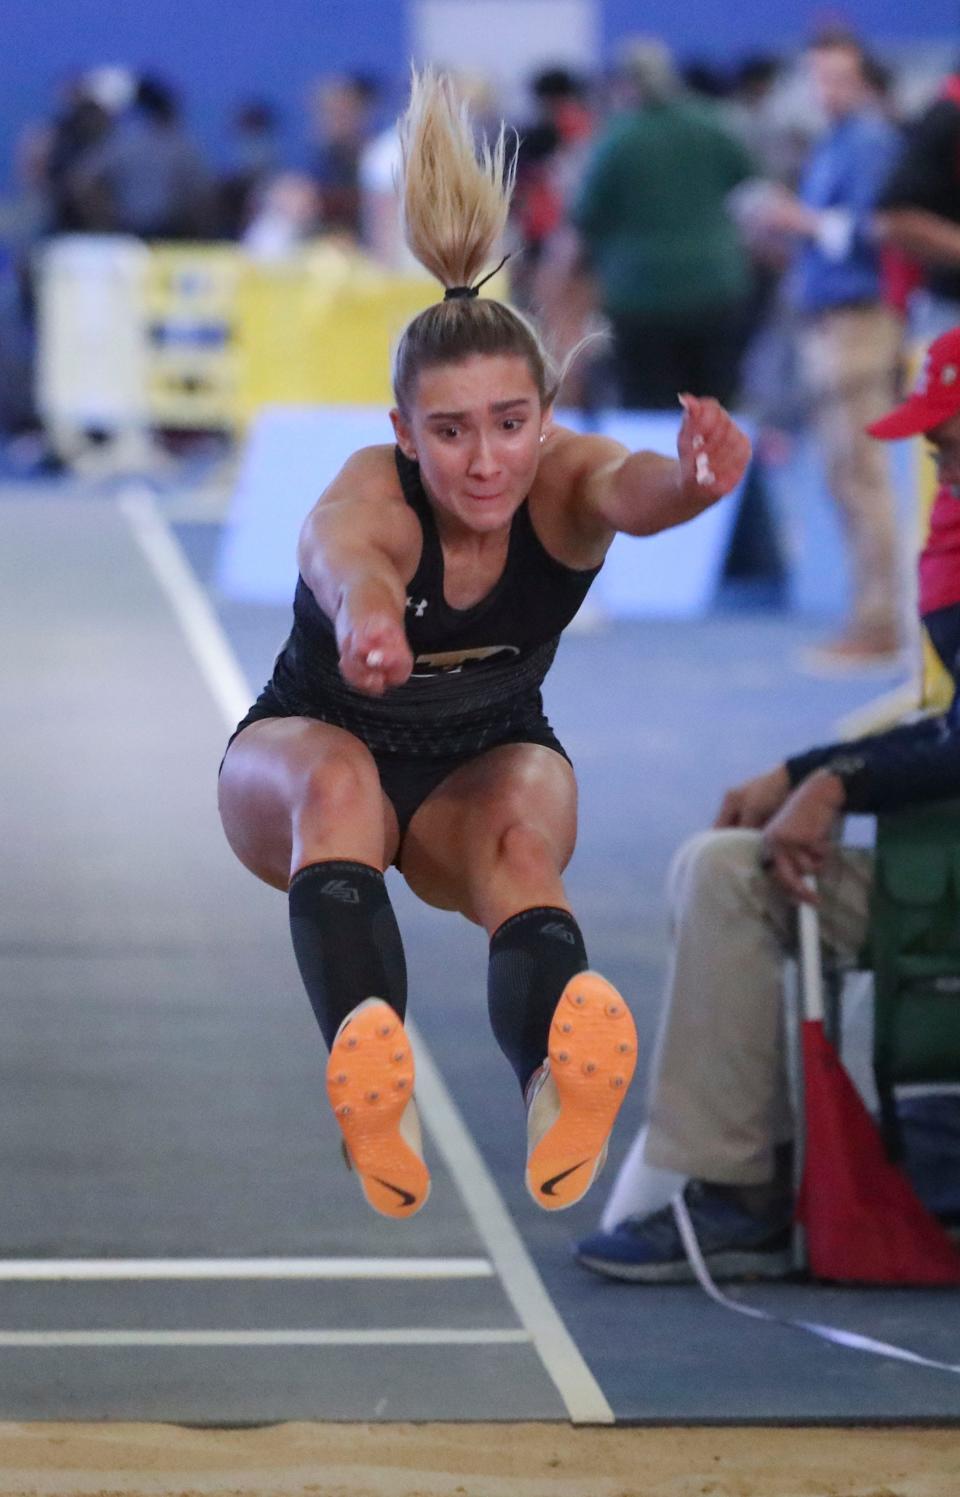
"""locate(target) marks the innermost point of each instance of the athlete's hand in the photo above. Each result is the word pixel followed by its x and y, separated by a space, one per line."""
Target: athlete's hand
pixel 712 449
pixel 375 655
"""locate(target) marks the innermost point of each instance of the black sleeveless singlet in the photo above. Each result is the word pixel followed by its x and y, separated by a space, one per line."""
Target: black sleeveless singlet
pixel 477 672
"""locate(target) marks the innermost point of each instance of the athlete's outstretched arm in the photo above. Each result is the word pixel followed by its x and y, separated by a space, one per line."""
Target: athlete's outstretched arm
pixel 641 492
pixel 358 547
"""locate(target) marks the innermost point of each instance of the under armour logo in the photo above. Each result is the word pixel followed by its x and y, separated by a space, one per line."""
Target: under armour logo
pixel 559 932
pixel 338 888
pixel 418 608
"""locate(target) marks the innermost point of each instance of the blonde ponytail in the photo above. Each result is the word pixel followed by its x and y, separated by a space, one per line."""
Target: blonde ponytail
pixel 456 197
pixel 456 192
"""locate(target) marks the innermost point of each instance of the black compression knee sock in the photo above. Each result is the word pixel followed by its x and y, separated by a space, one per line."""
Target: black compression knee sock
pixel 533 955
pixel 346 940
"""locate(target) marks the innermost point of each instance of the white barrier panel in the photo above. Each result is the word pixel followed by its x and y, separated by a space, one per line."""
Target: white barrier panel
pixel 293 452
pixel 91 345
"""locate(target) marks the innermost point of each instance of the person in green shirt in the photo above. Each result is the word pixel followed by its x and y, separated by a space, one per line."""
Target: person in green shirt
pixel 671 271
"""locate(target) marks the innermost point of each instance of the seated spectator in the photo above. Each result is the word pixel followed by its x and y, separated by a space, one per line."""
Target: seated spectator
pixel 147 177
pixel 77 130
pixel 255 155
pixel 719 1110
pixel 286 216
pixel 342 111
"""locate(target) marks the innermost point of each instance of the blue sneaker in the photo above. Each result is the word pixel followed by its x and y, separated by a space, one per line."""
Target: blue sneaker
pixel 734 1244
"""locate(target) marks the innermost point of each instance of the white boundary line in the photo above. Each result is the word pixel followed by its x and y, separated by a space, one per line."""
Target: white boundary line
pixel 525 1289
pixel 85 1269
pixel 559 1353
pixel 201 628
pixel 42 1340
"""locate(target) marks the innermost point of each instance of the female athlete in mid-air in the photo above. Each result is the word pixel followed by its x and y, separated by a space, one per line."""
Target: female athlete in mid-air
pixel 404 723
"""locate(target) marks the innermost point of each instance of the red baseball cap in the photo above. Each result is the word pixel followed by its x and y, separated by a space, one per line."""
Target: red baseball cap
pixel 935 397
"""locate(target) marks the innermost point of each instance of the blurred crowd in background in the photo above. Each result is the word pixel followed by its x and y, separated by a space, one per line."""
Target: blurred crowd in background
pixel 718 227
pixel 711 216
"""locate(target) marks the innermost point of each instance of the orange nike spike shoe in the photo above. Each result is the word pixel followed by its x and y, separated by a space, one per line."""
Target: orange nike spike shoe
pixel 370 1086
pixel 579 1091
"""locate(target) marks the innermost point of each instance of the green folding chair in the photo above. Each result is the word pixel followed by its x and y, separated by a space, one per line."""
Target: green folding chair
pixel 913 949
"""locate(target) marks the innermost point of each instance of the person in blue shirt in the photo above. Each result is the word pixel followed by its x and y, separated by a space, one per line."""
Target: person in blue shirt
pixel 848 338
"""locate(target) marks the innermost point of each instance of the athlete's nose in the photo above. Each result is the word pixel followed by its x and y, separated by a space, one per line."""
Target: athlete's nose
pixel 483 459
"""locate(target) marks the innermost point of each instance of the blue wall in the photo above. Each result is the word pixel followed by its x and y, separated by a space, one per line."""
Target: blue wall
pixel 217 51
pixel 728 28
pixel 214 51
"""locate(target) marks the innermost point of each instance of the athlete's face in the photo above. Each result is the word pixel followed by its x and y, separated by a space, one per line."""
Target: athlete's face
pixel 945 441
pixel 475 430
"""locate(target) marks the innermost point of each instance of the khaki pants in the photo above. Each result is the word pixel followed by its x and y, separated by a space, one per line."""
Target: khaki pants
pixel 719 1100
pixel 849 359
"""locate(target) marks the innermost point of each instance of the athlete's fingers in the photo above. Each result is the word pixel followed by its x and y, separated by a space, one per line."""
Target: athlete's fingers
pixel 379 632
pixel 727 458
pixel 372 682
pixel 728 440
pixel 378 669
pixel 727 448
pixel 703 472
pixel 714 430
pixel 705 415
pixel 713 445
pixel 357 673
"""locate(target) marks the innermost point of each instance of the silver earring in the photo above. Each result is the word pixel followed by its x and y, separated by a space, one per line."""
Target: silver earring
pixel 543 437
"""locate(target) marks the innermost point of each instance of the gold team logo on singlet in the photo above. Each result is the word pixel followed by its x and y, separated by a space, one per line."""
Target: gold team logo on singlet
pixel 450 662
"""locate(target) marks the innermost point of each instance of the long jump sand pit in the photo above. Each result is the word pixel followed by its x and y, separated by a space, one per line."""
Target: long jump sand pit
pixel 476 1460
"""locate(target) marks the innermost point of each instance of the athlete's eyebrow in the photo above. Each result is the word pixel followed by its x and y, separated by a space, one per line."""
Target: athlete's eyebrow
pixel 498 407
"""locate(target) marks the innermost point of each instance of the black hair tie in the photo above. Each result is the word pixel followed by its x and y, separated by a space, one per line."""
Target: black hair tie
pixel 457 293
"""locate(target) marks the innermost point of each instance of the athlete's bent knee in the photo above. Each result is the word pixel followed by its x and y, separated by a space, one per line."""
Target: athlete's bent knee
pixel 338 787
pixel 524 848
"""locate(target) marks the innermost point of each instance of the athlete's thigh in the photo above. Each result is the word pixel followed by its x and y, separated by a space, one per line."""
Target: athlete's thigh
pixel 455 835
pixel 289 778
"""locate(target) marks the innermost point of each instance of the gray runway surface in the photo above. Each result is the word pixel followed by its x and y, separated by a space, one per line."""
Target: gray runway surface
pixel 162 1088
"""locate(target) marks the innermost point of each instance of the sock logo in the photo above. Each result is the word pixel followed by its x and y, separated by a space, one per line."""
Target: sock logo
pixel 559 932
pixel 339 888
